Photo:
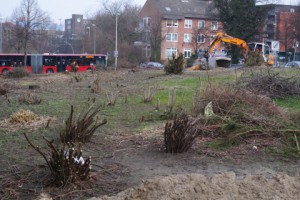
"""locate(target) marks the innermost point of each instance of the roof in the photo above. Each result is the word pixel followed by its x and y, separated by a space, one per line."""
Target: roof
pixel 180 9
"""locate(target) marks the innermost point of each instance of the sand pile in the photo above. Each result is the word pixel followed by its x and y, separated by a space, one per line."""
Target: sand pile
pixel 220 186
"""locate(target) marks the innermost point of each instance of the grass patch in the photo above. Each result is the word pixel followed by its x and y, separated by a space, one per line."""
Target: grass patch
pixel 222 144
pixel 291 103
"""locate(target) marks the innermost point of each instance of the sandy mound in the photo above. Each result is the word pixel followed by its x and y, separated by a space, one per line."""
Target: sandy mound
pixel 221 186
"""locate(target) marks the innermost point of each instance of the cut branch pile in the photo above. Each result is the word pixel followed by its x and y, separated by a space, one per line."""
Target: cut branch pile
pixel 180 135
pixel 269 83
pixel 82 129
pixel 240 105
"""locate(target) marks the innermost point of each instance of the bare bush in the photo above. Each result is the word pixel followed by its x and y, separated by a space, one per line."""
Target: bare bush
pixel 66 163
pixel 175 65
pixel 270 83
pixel 254 59
pixel 29 98
pixel 18 72
pixel 3 91
pixel 180 135
pixel 82 128
pixel 112 98
pixel 96 88
pixel 149 94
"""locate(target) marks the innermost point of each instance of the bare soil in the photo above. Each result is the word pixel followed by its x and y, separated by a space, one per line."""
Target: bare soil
pixel 134 165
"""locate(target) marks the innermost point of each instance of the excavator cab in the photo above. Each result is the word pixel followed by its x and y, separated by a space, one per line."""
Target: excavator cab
pixel 264 50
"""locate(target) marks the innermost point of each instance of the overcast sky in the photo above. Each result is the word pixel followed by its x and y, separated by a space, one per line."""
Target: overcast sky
pixel 60 10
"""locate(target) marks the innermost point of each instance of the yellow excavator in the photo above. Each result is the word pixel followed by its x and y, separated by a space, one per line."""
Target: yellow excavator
pixel 261 48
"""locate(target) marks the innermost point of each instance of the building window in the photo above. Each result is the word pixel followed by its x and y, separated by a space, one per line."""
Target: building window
pixel 188 23
pixel 187 53
pixel 170 52
pixel 214 25
pixel 171 37
pixel 200 38
pixel 147 50
pixel 187 38
pixel 146 35
pixel 201 24
pixel 172 23
pixel 146 21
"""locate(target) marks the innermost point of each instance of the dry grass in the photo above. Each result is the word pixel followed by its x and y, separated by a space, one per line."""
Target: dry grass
pixel 23 116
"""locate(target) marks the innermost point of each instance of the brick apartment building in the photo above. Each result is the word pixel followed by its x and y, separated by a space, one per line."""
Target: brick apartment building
pixel 78 33
pixel 282 24
pixel 177 26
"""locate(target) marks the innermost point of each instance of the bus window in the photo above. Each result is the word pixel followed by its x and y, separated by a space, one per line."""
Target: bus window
pixel 49 61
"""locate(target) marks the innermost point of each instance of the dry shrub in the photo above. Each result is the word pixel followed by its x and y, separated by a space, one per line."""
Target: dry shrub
pixel 240 105
pixel 29 98
pixel 74 66
pixel 149 94
pixel 112 98
pixel 254 59
pixel 175 65
pixel 18 72
pixel 66 163
pixel 180 135
pixel 96 88
pixel 82 128
pixel 173 107
pixel 270 83
pixel 23 116
pixel 295 117
pixel 3 90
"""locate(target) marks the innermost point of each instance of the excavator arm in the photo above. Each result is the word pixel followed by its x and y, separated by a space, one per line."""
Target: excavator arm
pixel 222 37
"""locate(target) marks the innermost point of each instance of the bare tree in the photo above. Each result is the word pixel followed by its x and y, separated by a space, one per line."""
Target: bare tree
pixel 105 24
pixel 30 21
pixel 155 37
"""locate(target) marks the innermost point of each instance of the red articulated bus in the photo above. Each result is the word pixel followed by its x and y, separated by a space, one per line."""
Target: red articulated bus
pixel 51 63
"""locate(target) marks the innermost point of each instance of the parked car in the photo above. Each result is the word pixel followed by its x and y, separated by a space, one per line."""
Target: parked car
pixel 293 64
pixel 152 65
